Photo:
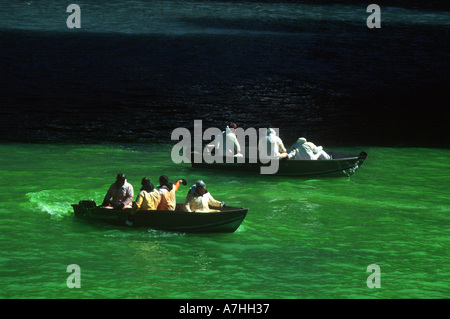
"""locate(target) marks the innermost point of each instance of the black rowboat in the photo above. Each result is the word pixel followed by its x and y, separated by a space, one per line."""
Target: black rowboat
pixel 341 164
pixel 227 220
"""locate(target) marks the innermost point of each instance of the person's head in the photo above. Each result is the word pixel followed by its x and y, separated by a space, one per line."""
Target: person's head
pixel 200 187
pixel 233 127
pixel 120 179
pixel 163 180
pixel 271 131
pixel 147 185
pixel 301 140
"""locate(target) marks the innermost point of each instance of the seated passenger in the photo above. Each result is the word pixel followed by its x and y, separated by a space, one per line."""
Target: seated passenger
pixel 274 146
pixel 309 151
pixel 167 191
pixel 122 194
pixel 226 143
pixel 199 199
pixel 149 197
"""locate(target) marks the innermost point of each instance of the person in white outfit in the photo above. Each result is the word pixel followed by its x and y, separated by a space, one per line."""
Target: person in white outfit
pixel 274 146
pixel 226 143
pixel 309 151
pixel 200 200
pixel 122 194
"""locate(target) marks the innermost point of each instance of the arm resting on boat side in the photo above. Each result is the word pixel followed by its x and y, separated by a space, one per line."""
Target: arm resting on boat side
pixel 201 203
pixel 212 202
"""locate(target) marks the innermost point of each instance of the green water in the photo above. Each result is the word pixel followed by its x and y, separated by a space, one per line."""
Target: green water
pixel 302 238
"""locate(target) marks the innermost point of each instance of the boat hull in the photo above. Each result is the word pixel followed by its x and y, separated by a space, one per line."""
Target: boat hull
pixel 341 165
pixel 227 220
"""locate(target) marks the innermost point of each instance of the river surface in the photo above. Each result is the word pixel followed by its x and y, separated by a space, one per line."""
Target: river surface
pixel 81 105
pixel 302 238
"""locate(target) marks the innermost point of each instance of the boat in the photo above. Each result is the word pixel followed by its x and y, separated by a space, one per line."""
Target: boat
pixel 341 164
pixel 226 220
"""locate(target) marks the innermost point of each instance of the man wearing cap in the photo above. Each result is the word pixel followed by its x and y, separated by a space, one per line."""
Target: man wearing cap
pixel 309 151
pixel 199 199
pixel 226 143
pixel 122 194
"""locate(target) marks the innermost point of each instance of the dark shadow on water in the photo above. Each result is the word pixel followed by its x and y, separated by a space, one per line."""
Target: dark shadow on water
pixel 337 85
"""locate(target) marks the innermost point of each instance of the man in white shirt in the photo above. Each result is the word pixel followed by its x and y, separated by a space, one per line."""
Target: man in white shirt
pixel 226 143
pixel 199 199
pixel 274 146
pixel 122 194
pixel 309 151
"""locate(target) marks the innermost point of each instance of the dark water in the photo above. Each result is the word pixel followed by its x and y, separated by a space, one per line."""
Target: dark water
pixel 135 72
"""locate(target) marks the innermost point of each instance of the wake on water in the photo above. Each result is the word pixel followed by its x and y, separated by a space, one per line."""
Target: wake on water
pixel 57 203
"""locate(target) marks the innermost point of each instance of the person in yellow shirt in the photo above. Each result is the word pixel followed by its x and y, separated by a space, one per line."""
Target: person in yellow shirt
pixel 148 199
pixel 167 191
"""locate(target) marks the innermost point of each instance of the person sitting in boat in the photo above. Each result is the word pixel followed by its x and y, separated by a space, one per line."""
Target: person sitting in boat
pixel 148 198
pixel 199 199
pixel 309 151
pixel 122 194
pixel 167 191
pixel 274 146
pixel 226 143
